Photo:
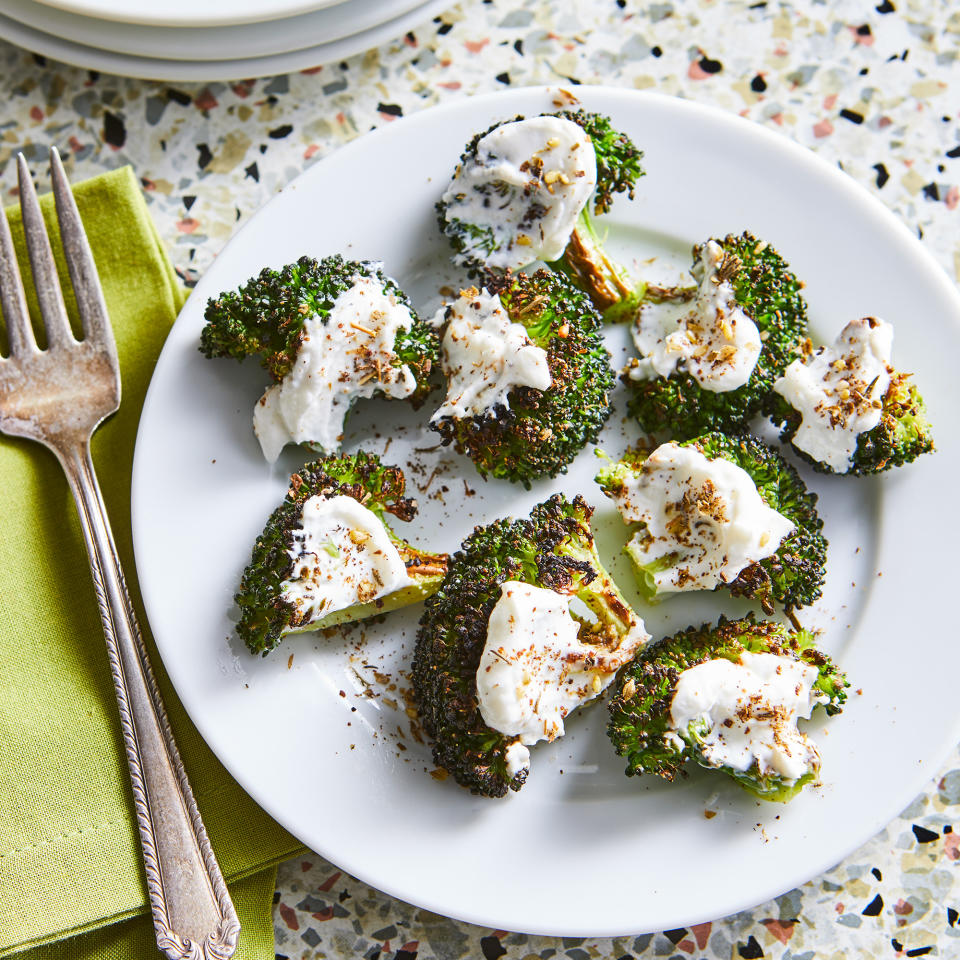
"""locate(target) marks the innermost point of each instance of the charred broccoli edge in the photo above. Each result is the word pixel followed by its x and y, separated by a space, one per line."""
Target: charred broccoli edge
pixel 265 617
pixel 547 550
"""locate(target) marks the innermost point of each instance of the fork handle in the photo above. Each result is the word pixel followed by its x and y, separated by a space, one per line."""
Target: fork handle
pixel 192 912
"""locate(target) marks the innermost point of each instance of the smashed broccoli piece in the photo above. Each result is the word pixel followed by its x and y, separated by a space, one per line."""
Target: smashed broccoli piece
pixel 640 725
pixel 585 262
pixel 266 617
pixel 554 549
pixel 265 317
pixel 543 430
pixel 794 575
pixel 903 432
pixel 769 294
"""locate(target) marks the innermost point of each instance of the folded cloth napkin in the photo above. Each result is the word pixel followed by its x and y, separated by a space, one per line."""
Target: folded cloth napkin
pixel 69 853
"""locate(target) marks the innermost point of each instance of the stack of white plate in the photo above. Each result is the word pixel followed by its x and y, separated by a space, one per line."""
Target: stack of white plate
pixel 207 39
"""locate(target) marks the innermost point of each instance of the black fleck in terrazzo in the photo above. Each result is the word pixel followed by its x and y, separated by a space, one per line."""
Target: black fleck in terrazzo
pixel 871 87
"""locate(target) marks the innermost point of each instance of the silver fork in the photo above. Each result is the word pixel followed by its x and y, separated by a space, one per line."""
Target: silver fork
pixel 58 397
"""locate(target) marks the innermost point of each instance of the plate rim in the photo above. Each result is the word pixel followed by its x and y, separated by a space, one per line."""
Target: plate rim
pixel 872 207
pixel 186 44
pixel 116 12
pixel 86 57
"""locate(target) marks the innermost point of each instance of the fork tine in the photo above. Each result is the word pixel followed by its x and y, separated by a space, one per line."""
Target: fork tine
pixel 83 271
pixel 45 279
pixel 12 298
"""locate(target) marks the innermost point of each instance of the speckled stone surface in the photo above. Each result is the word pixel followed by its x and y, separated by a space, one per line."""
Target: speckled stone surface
pixel 872 87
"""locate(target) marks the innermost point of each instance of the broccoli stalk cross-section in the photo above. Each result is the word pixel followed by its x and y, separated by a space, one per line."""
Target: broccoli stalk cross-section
pixel 554 549
pixel 640 725
pixel 265 616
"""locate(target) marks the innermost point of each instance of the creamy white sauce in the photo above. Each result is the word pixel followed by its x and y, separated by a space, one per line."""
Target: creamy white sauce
pixel 527 184
pixel 342 555
pixel 711 339
pixel 706 512
pixel 350 356
pixel 534 670
pixel 838 391
pixel 485 356
pixel 751 710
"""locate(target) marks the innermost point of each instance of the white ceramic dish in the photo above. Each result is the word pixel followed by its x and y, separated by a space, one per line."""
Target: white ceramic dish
pixel 201 44
pixel 189 13
pixel 203 69
pixel 582 850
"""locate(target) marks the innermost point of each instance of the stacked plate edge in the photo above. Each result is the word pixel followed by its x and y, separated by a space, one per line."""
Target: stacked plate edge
pixel 222 40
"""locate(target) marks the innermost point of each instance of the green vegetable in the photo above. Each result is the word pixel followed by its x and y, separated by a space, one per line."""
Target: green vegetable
pixel 265 616
pixel 640 726
pixel 554 549
pixel 769 294
pixel 902 435
pixel 794 575
pixel 265 317
pixel 543 430
pixel 585 262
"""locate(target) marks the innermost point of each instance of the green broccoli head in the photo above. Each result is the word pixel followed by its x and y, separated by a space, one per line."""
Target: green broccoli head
pixel 794 575
pixel 902 435
pixel 266 617
pixel 618 159
pixel 641 727
pixel 585 261
pixel 769 294
pixel 553 549
pixel 265 317
pixel 543 430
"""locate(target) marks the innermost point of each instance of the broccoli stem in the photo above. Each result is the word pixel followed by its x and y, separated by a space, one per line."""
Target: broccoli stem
pixel 608 284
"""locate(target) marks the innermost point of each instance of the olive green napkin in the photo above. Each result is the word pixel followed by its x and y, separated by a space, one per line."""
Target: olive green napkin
pixel 69 855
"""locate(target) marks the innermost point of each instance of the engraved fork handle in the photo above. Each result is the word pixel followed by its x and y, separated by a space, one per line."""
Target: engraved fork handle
pixel 192 912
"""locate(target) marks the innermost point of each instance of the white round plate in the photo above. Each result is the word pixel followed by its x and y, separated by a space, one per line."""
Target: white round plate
pixel 317 731
pixel 189 13
pixel 200 44
pixel 205 69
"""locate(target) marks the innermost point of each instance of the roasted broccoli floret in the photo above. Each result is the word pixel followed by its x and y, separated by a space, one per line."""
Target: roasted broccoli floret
pixel 506 211
pixel 529 432
pixel 554 550
pixel 754 739
pixel 792 576
pixel 329 332
pixel 285 587
pixel 858 414
pixel 696 344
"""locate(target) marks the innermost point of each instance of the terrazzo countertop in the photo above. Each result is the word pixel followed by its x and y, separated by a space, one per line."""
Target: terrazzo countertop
pixel 871 87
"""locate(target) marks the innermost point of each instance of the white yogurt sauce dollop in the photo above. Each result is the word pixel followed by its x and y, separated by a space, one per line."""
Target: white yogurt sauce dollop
pixel 485 355
pixel 527 185
pixel 712 339
pixel 350 356
pixel 707 513
pixel 342 555
pixel 751 710
pixel 534 669
pixel 838 391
